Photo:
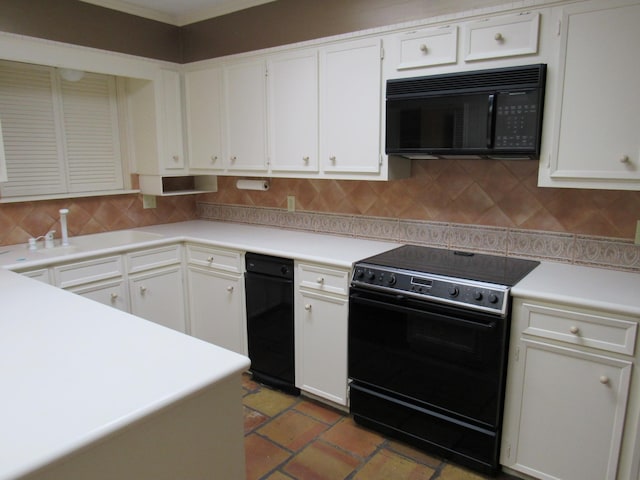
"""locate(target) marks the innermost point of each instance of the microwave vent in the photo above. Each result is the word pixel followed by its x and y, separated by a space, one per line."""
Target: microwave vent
pixel 468 82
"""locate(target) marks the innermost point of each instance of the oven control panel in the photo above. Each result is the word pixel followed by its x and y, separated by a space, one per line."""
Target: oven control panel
pixel 465 293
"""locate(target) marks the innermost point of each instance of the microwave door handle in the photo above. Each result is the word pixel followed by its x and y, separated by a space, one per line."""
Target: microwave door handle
pixel 490 120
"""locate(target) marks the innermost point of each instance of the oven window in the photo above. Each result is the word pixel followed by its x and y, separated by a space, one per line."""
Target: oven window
pixel 445 358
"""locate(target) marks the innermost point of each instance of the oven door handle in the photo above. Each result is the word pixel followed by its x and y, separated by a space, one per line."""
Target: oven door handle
pixel 358 298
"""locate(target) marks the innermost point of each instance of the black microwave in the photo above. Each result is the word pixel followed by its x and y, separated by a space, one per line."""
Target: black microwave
pixel 493 113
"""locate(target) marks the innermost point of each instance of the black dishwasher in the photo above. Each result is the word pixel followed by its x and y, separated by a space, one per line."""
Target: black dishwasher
pixel 269 297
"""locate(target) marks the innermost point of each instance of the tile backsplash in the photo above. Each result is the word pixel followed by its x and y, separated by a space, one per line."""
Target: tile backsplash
pixel 474 192
pixel 19 221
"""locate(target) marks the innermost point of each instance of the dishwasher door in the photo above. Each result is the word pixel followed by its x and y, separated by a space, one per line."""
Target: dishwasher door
pixel 270 328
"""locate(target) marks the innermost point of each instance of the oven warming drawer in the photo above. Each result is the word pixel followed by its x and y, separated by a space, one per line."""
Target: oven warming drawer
pixel 467 444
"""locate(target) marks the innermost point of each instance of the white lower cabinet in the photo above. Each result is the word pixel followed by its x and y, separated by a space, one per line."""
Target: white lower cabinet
pixel 156 286
pixel 568 389
pixel 157 295
pixel 216 296
pixel 321 327
pixel 110 292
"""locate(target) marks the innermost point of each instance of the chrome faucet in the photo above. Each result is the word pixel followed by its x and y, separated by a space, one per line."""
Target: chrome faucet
pixel 48 240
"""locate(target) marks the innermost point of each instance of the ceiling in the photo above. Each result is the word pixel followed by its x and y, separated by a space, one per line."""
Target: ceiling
pixel 178 12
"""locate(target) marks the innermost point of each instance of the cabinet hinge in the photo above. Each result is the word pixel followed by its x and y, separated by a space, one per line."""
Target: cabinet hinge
pixel 380 160
pixel 381 52
pixel 516 354
pixel 508 451
pixel 558 27
pixel 548 161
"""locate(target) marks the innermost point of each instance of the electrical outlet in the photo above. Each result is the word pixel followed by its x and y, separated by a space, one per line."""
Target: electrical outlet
pixel 291 203
pixel 148 201
pixel 637 241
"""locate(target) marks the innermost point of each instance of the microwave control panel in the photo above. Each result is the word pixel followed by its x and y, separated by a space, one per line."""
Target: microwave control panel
pixel 516 120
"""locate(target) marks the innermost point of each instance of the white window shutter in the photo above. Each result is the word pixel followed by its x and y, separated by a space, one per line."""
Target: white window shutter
pixel 34 159
pixel 92 144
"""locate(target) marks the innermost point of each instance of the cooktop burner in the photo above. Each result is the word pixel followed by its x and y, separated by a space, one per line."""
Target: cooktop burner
pixel 480 267
pixel 464 279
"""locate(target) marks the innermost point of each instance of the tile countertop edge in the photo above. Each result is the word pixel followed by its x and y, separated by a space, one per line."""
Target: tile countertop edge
pixel 585 287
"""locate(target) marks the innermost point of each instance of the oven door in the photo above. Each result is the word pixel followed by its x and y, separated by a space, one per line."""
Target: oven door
pixel 447 360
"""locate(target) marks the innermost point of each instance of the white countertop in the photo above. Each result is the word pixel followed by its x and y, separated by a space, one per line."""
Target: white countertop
pixel 585 287
pixel 73 371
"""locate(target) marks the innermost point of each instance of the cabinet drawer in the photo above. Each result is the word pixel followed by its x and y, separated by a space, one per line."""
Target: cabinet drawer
pixel 581 328
pixel 41 274
pixel 89 271
pixel 323 279
pixel 153 258
pixel 502 36
pixel 109 292
pixel 218 258
pixel 434 46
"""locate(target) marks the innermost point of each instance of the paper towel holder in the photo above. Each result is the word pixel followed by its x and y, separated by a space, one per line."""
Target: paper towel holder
pixel 252 184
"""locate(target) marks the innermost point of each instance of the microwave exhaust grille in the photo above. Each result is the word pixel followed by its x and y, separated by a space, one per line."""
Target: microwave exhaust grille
pixel 510 78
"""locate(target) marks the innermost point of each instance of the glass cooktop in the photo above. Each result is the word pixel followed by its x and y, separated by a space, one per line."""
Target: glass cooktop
pixel 480 267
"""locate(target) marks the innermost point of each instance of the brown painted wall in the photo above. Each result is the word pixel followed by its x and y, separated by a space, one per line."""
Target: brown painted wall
pixel 80 23
pixel 289 21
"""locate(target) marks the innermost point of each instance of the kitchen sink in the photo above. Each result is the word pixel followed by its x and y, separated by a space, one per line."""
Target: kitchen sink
pixel 56 251
pixel 112 239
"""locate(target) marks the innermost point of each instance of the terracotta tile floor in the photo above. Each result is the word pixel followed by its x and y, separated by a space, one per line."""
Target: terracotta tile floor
pixel 289 437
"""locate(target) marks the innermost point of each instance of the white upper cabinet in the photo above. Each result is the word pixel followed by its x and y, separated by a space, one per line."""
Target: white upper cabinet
pixel 293 111
pixel 431 46
pixel 503 36
pixel 596 129
pixel 155 111
pixel 171 118
pixel 350 106
pixel 203 92
pixel 246 116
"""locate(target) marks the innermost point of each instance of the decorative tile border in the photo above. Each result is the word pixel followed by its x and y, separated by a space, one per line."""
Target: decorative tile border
pixel 610 253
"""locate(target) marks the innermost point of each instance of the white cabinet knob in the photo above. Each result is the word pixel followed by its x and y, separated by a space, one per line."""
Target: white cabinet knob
pixel 625 159
pixel 332 158
pixel 320 280
pixel 305 159
pixel 176 158
pixel 209 259
pixel 234 158
pixel 114 297
pixel 574 329
pixel 423 48
pixel 214 158
pixel 230 288
pixel 307 307
pixel 143 289
pixel 498 37
pixel 604 380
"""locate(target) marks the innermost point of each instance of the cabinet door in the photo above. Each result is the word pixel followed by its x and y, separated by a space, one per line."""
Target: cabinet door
pixel 157 295
pixel 321 345
pixel 245 95
pixel 350 102
pixel 572 410
pixel 203 92
pixel 597 122
pixel 216 308
pixel 293 112
pixel 171 138
pixel 112 293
